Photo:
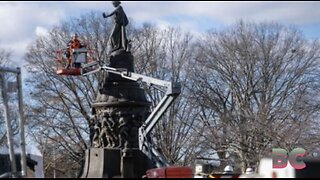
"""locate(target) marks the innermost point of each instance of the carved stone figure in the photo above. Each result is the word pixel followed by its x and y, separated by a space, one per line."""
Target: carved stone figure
pixel 96 143
pixel 118 36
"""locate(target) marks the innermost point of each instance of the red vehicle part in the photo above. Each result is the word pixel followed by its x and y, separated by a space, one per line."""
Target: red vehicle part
pixel 73 69
pixel 170 172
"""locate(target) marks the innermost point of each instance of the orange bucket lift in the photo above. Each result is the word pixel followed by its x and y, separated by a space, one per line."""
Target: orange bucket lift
pixel 72 65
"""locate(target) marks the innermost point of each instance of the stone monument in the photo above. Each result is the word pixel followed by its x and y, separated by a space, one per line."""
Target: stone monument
pixel 119 110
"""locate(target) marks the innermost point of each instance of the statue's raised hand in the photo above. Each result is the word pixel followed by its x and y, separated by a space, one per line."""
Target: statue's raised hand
pixel 104 15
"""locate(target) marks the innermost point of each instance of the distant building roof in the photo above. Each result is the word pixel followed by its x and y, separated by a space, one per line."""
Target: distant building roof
pixel 30 149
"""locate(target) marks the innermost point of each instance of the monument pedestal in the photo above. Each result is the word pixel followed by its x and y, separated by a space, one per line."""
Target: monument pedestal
pixel 120 109
pixel 110 163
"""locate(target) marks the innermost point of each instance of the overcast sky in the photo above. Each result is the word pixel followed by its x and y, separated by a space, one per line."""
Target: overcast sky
pixel 22 21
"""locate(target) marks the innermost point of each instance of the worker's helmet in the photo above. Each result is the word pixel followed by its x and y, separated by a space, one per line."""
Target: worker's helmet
pixel 228 168
pixel 249 170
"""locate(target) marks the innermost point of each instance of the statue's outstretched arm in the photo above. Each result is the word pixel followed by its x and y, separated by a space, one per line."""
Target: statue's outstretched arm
pixel 111 14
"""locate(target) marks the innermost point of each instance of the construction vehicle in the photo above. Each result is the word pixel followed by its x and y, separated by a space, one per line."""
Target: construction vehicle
pixel 85 67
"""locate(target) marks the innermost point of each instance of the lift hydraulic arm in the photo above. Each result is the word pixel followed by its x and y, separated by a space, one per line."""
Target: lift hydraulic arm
pixel 172 92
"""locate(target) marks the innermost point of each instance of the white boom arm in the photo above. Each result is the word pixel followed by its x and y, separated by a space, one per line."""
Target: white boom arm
pixel 172 92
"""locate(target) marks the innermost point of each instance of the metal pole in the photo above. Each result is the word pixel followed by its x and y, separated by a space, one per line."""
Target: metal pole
pixel 8 124
pixel 21 125
pixel 54 162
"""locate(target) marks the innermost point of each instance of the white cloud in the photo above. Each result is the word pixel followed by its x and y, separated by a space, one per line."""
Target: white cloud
pixel 41 31
pixel 21 21
pixel 18 47
pixel 90 5
pixel 228 12
pixel 204 15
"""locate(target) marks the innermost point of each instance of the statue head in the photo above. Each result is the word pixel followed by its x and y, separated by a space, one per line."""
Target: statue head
pixel 116 3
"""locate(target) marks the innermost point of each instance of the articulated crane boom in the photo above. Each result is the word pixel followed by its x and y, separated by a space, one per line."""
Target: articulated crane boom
pixel 172 92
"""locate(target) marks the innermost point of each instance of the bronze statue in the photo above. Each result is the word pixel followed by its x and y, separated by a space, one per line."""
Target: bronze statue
pixel 118 37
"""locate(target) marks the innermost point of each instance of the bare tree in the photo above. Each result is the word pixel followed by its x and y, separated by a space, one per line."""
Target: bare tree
pixel 60 105
pixel 244 91
pixel 5 58
pixel 254 85
pixel 164 54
